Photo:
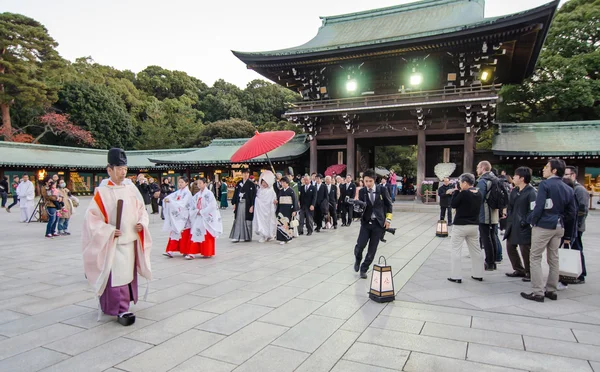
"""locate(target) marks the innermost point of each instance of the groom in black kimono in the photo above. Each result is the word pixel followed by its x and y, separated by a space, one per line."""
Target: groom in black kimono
pixel 243 208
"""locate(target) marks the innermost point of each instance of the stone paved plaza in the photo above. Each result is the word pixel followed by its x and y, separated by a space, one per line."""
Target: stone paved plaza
pixel 299 307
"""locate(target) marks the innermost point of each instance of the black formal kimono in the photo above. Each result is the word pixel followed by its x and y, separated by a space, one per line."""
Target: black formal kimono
pixel 378 209
pixel 243 200
pixel 286 205
pixel 341 207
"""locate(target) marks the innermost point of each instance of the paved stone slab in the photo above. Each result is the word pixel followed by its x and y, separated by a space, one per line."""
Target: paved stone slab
pixel 427 315
pixel 102 357
pixel 309 334
pixel 562 348
pixel 407 341
pixel 348 366
pixel 327 355
pixel 201 364
pixel 523 329
pixel 292 312
pixel 32 360
pixel 172 307
pixel 227 302
pixel 31 340
pixel 273 358
pixel 278 297
pixel 246 342
pixel 341 307
pixel 398 324
pixel 234 319
pixel 419 362
pixel 323 292
pixel 377 355
pixel 473 335
pixel 363 317
pixel 172 352
pixel 525 360
pixel 163 330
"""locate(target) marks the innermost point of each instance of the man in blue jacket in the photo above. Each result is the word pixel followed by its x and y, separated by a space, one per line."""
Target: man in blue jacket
pixel 552 219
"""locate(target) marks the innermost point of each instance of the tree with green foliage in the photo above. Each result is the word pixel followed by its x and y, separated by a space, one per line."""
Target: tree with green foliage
pixel 566 83
pixel 98 110
pixel 222 101
pixel 281 125
pixel 266 102
pixel 230 128
pixel 403 159
pixel 28 61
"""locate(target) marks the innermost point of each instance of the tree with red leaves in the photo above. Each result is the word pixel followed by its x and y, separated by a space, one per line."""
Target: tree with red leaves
pixel 57 124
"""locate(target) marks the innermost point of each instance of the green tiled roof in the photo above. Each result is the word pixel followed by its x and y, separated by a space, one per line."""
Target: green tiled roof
pixel 221 150
pixel 30 155
pixel 397 23
pixel 576 138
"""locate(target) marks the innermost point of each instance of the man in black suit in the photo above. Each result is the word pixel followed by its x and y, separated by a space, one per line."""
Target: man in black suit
pixel 308 200
pixel 321 206
pixel 351 193
pixel 341 207
pixel 332 200
pixel 375 219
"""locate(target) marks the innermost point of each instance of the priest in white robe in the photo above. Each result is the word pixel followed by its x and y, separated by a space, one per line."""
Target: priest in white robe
pixel 265 204
pixel 26 194
pixel 116 242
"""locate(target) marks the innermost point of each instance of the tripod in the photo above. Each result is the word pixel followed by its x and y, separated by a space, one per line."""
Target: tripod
pixel 37 211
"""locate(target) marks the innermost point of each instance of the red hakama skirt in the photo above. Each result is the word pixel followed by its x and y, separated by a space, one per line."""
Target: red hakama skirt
pixel 206 248
pixel 181 245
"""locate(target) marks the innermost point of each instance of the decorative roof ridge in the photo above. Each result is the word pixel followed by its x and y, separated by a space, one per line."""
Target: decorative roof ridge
pixel 400 8
pixel 551 124
pixel 39 146
pixel 224 142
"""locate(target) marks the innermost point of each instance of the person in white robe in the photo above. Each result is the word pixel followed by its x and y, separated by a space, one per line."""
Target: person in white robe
pixel 265 204
pixel 177 218
pixel 206 221
pixel 26 194
pixel 116 242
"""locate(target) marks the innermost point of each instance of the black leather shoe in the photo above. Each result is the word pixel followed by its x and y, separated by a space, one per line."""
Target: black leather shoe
pixel 478 279
pixel 363 275
pixel 356 265
pixel 383 240
pixel 532 297
pixel 309 234
pixel 551 295
pixel 526 278
pixel 515 274
pixel 301 233
pixel 335 227
pixel 455 280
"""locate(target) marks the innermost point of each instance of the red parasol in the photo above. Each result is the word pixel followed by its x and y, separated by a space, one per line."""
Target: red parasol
pixel 336 168
pixel 261 144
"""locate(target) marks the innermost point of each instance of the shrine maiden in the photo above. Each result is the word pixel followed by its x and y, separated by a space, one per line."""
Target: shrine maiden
pixel 206 221
pixel 116 242
pixel 177 218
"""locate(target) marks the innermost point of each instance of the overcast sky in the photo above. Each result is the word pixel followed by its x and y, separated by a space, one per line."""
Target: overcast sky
pixel 195 36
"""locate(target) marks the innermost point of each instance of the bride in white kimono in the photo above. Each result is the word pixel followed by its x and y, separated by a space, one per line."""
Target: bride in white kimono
pixel 265 204
pixel 206 221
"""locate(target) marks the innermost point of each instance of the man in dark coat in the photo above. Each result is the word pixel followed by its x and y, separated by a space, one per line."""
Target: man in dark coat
pixel 243 208
pixel 332 200
pixel 350 193
pixel 518 228
pixel 375 219
pixel 341 207
pixel 321 206
pixel 445 192
pixel 308 200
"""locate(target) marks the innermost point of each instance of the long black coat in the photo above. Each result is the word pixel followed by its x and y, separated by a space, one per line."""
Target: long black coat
pixel 445 199
pixel 520 205
pixel 382 207
pixel 322 197
pixel 307 197
pixel 249 190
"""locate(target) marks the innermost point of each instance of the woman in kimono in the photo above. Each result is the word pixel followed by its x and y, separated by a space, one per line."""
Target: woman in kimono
pixel 286 211
pixel 223 197
pixel 206 222
pixel 177 221
pixel 265 223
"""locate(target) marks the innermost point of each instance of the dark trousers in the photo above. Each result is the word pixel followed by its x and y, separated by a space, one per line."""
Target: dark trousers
pixel 4 197
pixel 515 259
pixel 488 243
pixel 15 201
pixel 154 203
pixel 350 211
pixel 333 214
pixel 498 244
pixel 306 216
pixel 443 214
pixel 370 232
pixel 319 217
pixel 578 245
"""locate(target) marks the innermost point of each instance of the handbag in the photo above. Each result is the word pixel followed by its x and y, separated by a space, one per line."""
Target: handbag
pixel 294 223
pixel 569 263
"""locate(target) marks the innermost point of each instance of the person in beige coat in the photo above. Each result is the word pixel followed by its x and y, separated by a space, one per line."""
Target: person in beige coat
pixel 70 202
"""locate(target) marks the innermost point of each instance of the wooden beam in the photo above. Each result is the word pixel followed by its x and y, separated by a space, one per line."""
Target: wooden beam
pixel 331 147
pixel 350 155
pixel 445 143
pixel 468 152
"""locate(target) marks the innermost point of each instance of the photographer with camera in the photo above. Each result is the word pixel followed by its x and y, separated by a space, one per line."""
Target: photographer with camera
pixel 375 219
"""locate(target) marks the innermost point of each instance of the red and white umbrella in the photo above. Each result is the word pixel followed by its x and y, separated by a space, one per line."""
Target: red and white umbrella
pixel 336 168
pixel 261 144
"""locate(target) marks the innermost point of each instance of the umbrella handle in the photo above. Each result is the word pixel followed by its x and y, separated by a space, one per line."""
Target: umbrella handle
pixel 271 164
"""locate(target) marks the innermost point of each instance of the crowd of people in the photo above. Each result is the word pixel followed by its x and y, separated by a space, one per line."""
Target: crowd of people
pixel 533 221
